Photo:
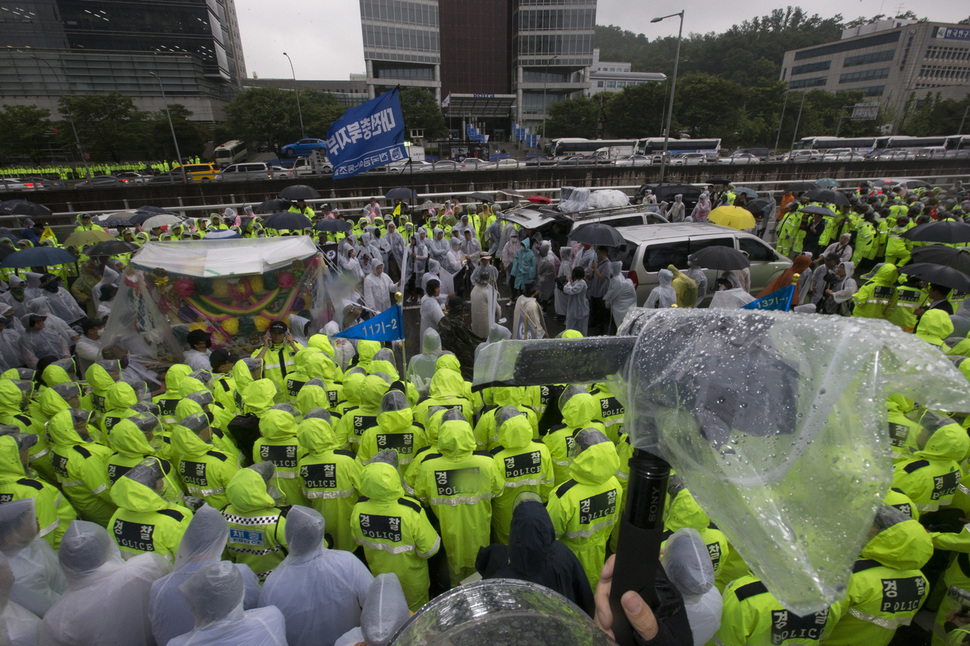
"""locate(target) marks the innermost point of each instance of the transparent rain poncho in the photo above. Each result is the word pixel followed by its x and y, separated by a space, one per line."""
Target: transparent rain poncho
pixel 18 626
pixel 318 413
pixel 70 391
pixel 688 566
pixel 107 597
pixel 385 610
pixel 39 582
pixel 320 591
pixel 201 397
pixel 757 412
pixel 202 544
pixel 215 595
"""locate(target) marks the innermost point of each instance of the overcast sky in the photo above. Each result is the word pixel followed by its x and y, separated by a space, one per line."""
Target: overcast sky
pixel 323 37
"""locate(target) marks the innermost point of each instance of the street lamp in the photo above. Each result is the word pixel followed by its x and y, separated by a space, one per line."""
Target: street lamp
pixel 297 90
pixel 673 87
pixel 545 106
pixel 178 154
pixel 70 117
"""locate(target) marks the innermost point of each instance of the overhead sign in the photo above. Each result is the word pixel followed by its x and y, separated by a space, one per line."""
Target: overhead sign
pixel 367 136
pixel 865 112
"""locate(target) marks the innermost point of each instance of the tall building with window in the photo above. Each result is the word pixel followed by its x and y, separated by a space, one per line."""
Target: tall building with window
pixel 401 45
pixel 54 48
pixel 895 63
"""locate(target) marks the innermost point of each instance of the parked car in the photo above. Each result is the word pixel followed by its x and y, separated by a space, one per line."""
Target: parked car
pixel 13 184
pixel 891 155
pixel 541 161
pixel 303 167
pixel 850 156
pixel 41 183
pixel 304 147
pixel 507 164
pixel 575 160
pixel 741 158
pixel 651 248
pixel 634 160
pixel 171 177
pixel 802 156
pixel 252 171
pixel 474 163
pixel 100 181
pixel 689 159
pixel 445 165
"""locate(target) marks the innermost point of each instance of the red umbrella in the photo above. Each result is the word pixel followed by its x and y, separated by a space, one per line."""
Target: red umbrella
pixel 539 199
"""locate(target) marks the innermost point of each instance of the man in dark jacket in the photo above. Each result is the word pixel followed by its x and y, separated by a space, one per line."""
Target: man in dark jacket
pixel 457 337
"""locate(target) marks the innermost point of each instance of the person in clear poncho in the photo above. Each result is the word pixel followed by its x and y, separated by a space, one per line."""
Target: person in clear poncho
pixel 215 595
pixel 61 301
pixel 39 341
pixel 663 295
pixel 39 582
pixel 107 597
pixel 320 591
pixel 438 247
pixel 384 612
pixel 421 367
pixel 41 306
pixel 621 295
pixel 688 566
pixel 202 545
pixel 483 294
pixel 344 349
pixel 18 626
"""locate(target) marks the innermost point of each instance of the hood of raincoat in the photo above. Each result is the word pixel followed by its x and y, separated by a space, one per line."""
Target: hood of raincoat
pixel 318 365
pixel 396 420
pixel 508 395
pixel 580 410
pixel 215 594
pixel 187 407
pixel 372 389
pixel 385 367
pixel 305 528
pixel 186 443
pixel 51 402
pixel 366 351
pixel 120 396
pixel 665 277
pixel 456 440
pixel 128 440
pixel 240 374
pixel 572 334
pixel 498 333
pixel 448 361
pixel 683 511
pixel 54 375
pixel 87 554
pixel 247 492
pixel 98 378
pixel 886 275
pixel 385 610
pixel 10 397
pixel 312 396
pixel 11 468
pixel 934 326
pixel 446 383
pixel 380 481
pixel 133 495
pixel 949 442
pixel 204 539
pixel 277 426
pixel 596 464
pixel 190 385
pixel 174 377
pixel 321 342
pixel 316 436
pixel 352 384
pixel 61 430
pixel 531 536
pixel 516 433
pixel 431 342
pixel 905 545
pixel 258 396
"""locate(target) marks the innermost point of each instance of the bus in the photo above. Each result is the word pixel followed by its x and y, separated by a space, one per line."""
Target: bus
pixel 230 153
pixel 857 144
pixel 588 147
pixel 655 146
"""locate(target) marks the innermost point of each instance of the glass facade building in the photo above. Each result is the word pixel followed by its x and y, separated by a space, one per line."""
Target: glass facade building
pixel 401 44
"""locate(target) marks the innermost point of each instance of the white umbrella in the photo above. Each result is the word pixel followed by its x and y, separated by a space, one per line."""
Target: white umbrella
pixel 160 221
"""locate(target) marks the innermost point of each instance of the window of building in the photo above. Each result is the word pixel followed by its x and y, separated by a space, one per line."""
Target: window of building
pixel 821 66
pixel 865 75
pixel 848 45
pixel 599 83
pixel 812 82
pixel 865 59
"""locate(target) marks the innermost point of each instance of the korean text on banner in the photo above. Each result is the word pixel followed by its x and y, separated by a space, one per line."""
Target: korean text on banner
pixel 367 136
pixel 386 326
pixel 777 300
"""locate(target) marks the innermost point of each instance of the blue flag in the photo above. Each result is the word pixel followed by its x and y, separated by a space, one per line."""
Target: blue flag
pixel 386 326
pixel 368 136
pixel 777 300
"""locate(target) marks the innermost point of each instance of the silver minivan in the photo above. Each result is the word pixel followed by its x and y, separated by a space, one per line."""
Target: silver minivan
pixel 251 171
pixel 653 247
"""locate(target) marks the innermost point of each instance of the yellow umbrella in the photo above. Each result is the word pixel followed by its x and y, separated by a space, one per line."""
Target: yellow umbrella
pixel 91 236
pixel 732 216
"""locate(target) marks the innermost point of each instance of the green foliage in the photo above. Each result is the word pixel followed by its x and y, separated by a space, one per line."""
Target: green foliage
pixel 421 111
pixel 636 111
pixel 107 124
pixel 24 130
pixel 577 117
pixel 158 135
pixel 264 115
pixel 932 115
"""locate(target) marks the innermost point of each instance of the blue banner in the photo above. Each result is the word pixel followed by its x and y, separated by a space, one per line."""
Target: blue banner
pixel 386 326
pixel 367 136
pixel 778 300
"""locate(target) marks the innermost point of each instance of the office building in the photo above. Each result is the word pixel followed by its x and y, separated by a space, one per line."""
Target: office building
pixel 895 63
pixel 54 48
pixel 608 76
pixel 401 45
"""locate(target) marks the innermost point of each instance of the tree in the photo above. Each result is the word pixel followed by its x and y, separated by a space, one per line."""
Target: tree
pixel 24 131
pixel 637 111
pixel 107 124
pixel 422 112
pixel 265 116
pixel 577 117
pixel 191 136
pixel 707 106
pixel 320 110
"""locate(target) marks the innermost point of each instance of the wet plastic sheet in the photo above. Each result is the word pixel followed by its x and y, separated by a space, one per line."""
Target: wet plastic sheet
pixel 226 257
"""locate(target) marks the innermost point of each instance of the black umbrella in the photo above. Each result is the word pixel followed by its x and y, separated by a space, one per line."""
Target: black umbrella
pixel 330 225
pixel 598 235
pixel 38 257
pixel 299 192
pixel 947 231
pixel 145 213
pixel 938 254
pixel 800 187
pixel 287 220
pixel 817 210
pixel 6 251
pixel 482 197
pixel 829 196
pixel 24 207
pixel 401 193
pixel 939 275
pixel 719 180
pixel 718 257
pixel 759 206
pixel 274 205
pixel 110 248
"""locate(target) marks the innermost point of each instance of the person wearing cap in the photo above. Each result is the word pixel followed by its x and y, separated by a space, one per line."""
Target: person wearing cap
pixel 84 223
pixel 257 527
pixel 88 347
pixel 145 521
pixel 224 387
pixel 203 470
pixel 279 355
pixel 197 357
pixel 302 208
pixel 54 512
pixel 79 466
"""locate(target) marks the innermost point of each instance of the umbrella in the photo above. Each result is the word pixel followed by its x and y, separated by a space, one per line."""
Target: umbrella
pixel 938 254
pixel 718 257
pixel 5 251
pixel 718 180
pixel 734 217
pixel 539 199
pixel 38 257
pixel 287 220
pixel 80 238
pixel 759 205
pixel 937 274
pixel 947 231
pixel 274 205
pixel 800 187
pixel 817 210
pixel 826 182
pixel 299 192
pixel 747 192
pixel 482 197
pixel 330 225
pixel 222 234
pixel 597 234
pixel 116 219
pixel 401 193
pixel 110 248
pixel 145 213
pixel 829 196
pixel 161 220
pixel 24 207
